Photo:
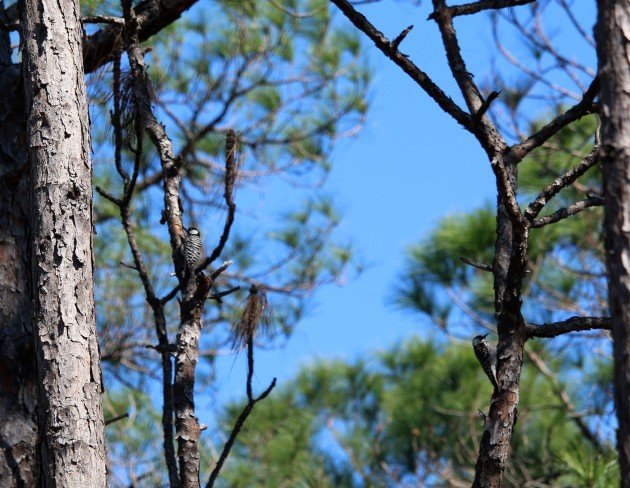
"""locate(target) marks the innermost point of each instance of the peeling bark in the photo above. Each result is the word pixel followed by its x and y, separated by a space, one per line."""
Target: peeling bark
pixel 613 49
pixel 71 450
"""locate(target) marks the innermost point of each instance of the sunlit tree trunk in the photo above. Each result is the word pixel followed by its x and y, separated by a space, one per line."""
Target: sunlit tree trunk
pixel 71 450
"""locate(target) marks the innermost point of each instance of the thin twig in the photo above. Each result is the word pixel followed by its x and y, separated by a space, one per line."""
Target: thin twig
pixel 582 108
pixel 563 213
pixel 476 264
pixel 116 419
pixel 474 7
pixel 240 421
pixel 107 195
pixel 563 181
pixel 218 296
pixel 400 38
pixel 456 63
pixel 486 104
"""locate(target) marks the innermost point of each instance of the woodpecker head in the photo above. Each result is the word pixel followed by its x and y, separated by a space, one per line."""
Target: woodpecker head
pixel 193 231
pixel 480 339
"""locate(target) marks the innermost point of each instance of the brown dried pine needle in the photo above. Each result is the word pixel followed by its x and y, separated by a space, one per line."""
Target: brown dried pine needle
pixel 256 318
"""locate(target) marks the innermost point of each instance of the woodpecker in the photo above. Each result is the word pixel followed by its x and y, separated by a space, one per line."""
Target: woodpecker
pixel 192 249
pixel 487 357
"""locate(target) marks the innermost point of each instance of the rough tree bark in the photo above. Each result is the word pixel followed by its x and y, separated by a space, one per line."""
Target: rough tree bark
pixel 613 50
pixel 71 451
pixel 18 387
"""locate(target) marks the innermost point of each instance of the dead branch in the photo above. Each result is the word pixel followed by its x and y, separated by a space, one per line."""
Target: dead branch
pixel 563 181
pixel 574 324
pixel 474 7
pixel 582 108
pixel 240 421
pixel 563 213
pixel 415 73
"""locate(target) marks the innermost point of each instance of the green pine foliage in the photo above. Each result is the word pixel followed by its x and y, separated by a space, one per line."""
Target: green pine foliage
pixel 405 416
pixel 291 86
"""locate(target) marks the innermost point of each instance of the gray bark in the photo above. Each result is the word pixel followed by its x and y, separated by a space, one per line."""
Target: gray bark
pixel 613 49
pixel 18 387
pixel 71 447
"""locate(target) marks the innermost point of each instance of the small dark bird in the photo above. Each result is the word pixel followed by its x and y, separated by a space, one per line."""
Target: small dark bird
pixel 487 357
pixel 192 249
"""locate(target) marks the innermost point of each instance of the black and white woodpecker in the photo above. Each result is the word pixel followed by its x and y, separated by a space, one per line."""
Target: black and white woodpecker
pixel 487 356
pixel 192 249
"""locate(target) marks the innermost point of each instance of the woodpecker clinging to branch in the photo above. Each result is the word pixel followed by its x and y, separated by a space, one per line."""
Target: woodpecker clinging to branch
pixel 487 357
pixel 192 249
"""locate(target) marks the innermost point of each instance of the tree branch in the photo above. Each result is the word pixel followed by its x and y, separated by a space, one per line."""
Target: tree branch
pixel 563 181
pixel 574 324
pixel 240 421
pixel 116 418
pixel 415 73
pixel 486 105
pixel 456 63
pixel 476 264
pixel 474 7
pixel 563 213
pixel 582 108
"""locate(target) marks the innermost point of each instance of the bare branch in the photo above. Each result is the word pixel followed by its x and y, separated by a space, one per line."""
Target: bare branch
pixel 401 37
pixel 218 296
pixel 582 108
pixel 456 63
pixel 145 120
pixel 217 272
pixel 117 418
pixel 240 421
pixel 415 73
pixel 563 213
pixel 574 324
pixel 108 196
pixel 486 105
pixel 103 19
pixel 474 7
pixel 157 134
pixel 563 181
pixel 475 264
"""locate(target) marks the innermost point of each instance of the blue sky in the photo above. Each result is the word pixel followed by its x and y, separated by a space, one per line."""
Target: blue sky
pixel 409 167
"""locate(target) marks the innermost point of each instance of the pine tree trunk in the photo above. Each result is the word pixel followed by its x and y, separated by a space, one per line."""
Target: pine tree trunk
pixel 18 379
pixel 613 49
pixel 71 447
